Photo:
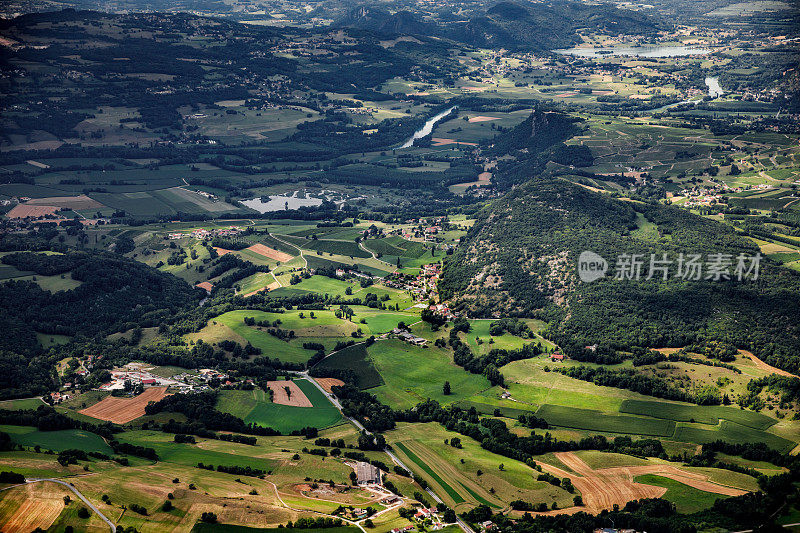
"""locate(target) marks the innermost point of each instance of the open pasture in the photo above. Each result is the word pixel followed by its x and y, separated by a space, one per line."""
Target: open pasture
pixel 686 499
pixel 413 374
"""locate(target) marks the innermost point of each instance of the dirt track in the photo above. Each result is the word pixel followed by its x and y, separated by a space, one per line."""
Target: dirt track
pixel 297 398
pixel 603 488
pixel 769 368
pixel 123 410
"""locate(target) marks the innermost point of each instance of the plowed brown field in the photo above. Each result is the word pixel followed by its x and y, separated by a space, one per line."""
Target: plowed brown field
pixel 268 252
pixel 297 398
pixel 123 410
pixel 329 383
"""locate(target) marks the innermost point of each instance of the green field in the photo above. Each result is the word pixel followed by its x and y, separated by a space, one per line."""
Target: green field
pixel 687 499
pixel 57 441
pixel 710 414
pixel 470 475
pixel 191 454
pixel 19 405
pixel 53 283
pixel 412 374
pixel 355 359
pixel 571 417
pixel 428 470
pixel 733 433
pixel 254 407
pixel 396 246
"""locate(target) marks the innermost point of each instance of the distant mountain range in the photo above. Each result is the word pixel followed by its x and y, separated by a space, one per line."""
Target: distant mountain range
pixel 519 26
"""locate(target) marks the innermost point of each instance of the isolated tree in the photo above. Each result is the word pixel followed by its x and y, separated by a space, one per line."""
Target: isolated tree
pixel 446 388
pixel 288 392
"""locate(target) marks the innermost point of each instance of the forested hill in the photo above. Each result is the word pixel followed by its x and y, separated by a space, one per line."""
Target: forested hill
pixel 520 258
pixel 544 27
pixel 115 294
pixel 513 25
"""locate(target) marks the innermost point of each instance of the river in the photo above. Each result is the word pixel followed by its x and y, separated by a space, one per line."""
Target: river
pixel 714 89
pixel 426 130
pixel 640 51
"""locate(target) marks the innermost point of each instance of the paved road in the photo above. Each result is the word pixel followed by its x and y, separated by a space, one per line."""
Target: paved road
pixel 389 452
pixel 79 495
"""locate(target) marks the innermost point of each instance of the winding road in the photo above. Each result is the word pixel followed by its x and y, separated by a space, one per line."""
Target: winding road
pixel 463 525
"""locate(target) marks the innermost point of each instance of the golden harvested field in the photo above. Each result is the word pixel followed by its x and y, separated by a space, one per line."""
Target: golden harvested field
pixel 603 488
pixel 329 383
pixel 31 506
pixel 269 253
pixel 123 410
pixel 297 398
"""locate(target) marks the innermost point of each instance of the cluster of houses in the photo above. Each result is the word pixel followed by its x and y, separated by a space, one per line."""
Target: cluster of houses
pixel 423 286
pixel 341 273
pixel 426 519
pixel 202 234
pixel 58 397
pixel 136 375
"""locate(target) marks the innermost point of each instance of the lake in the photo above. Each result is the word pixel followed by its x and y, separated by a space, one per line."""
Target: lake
pixel 279 203
pixel 714 89
pixel 641 51
pixel 297 199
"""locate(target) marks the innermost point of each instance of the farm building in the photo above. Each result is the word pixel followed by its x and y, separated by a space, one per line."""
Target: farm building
pixel 367 473
pixel 557 357
pixel 409 337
